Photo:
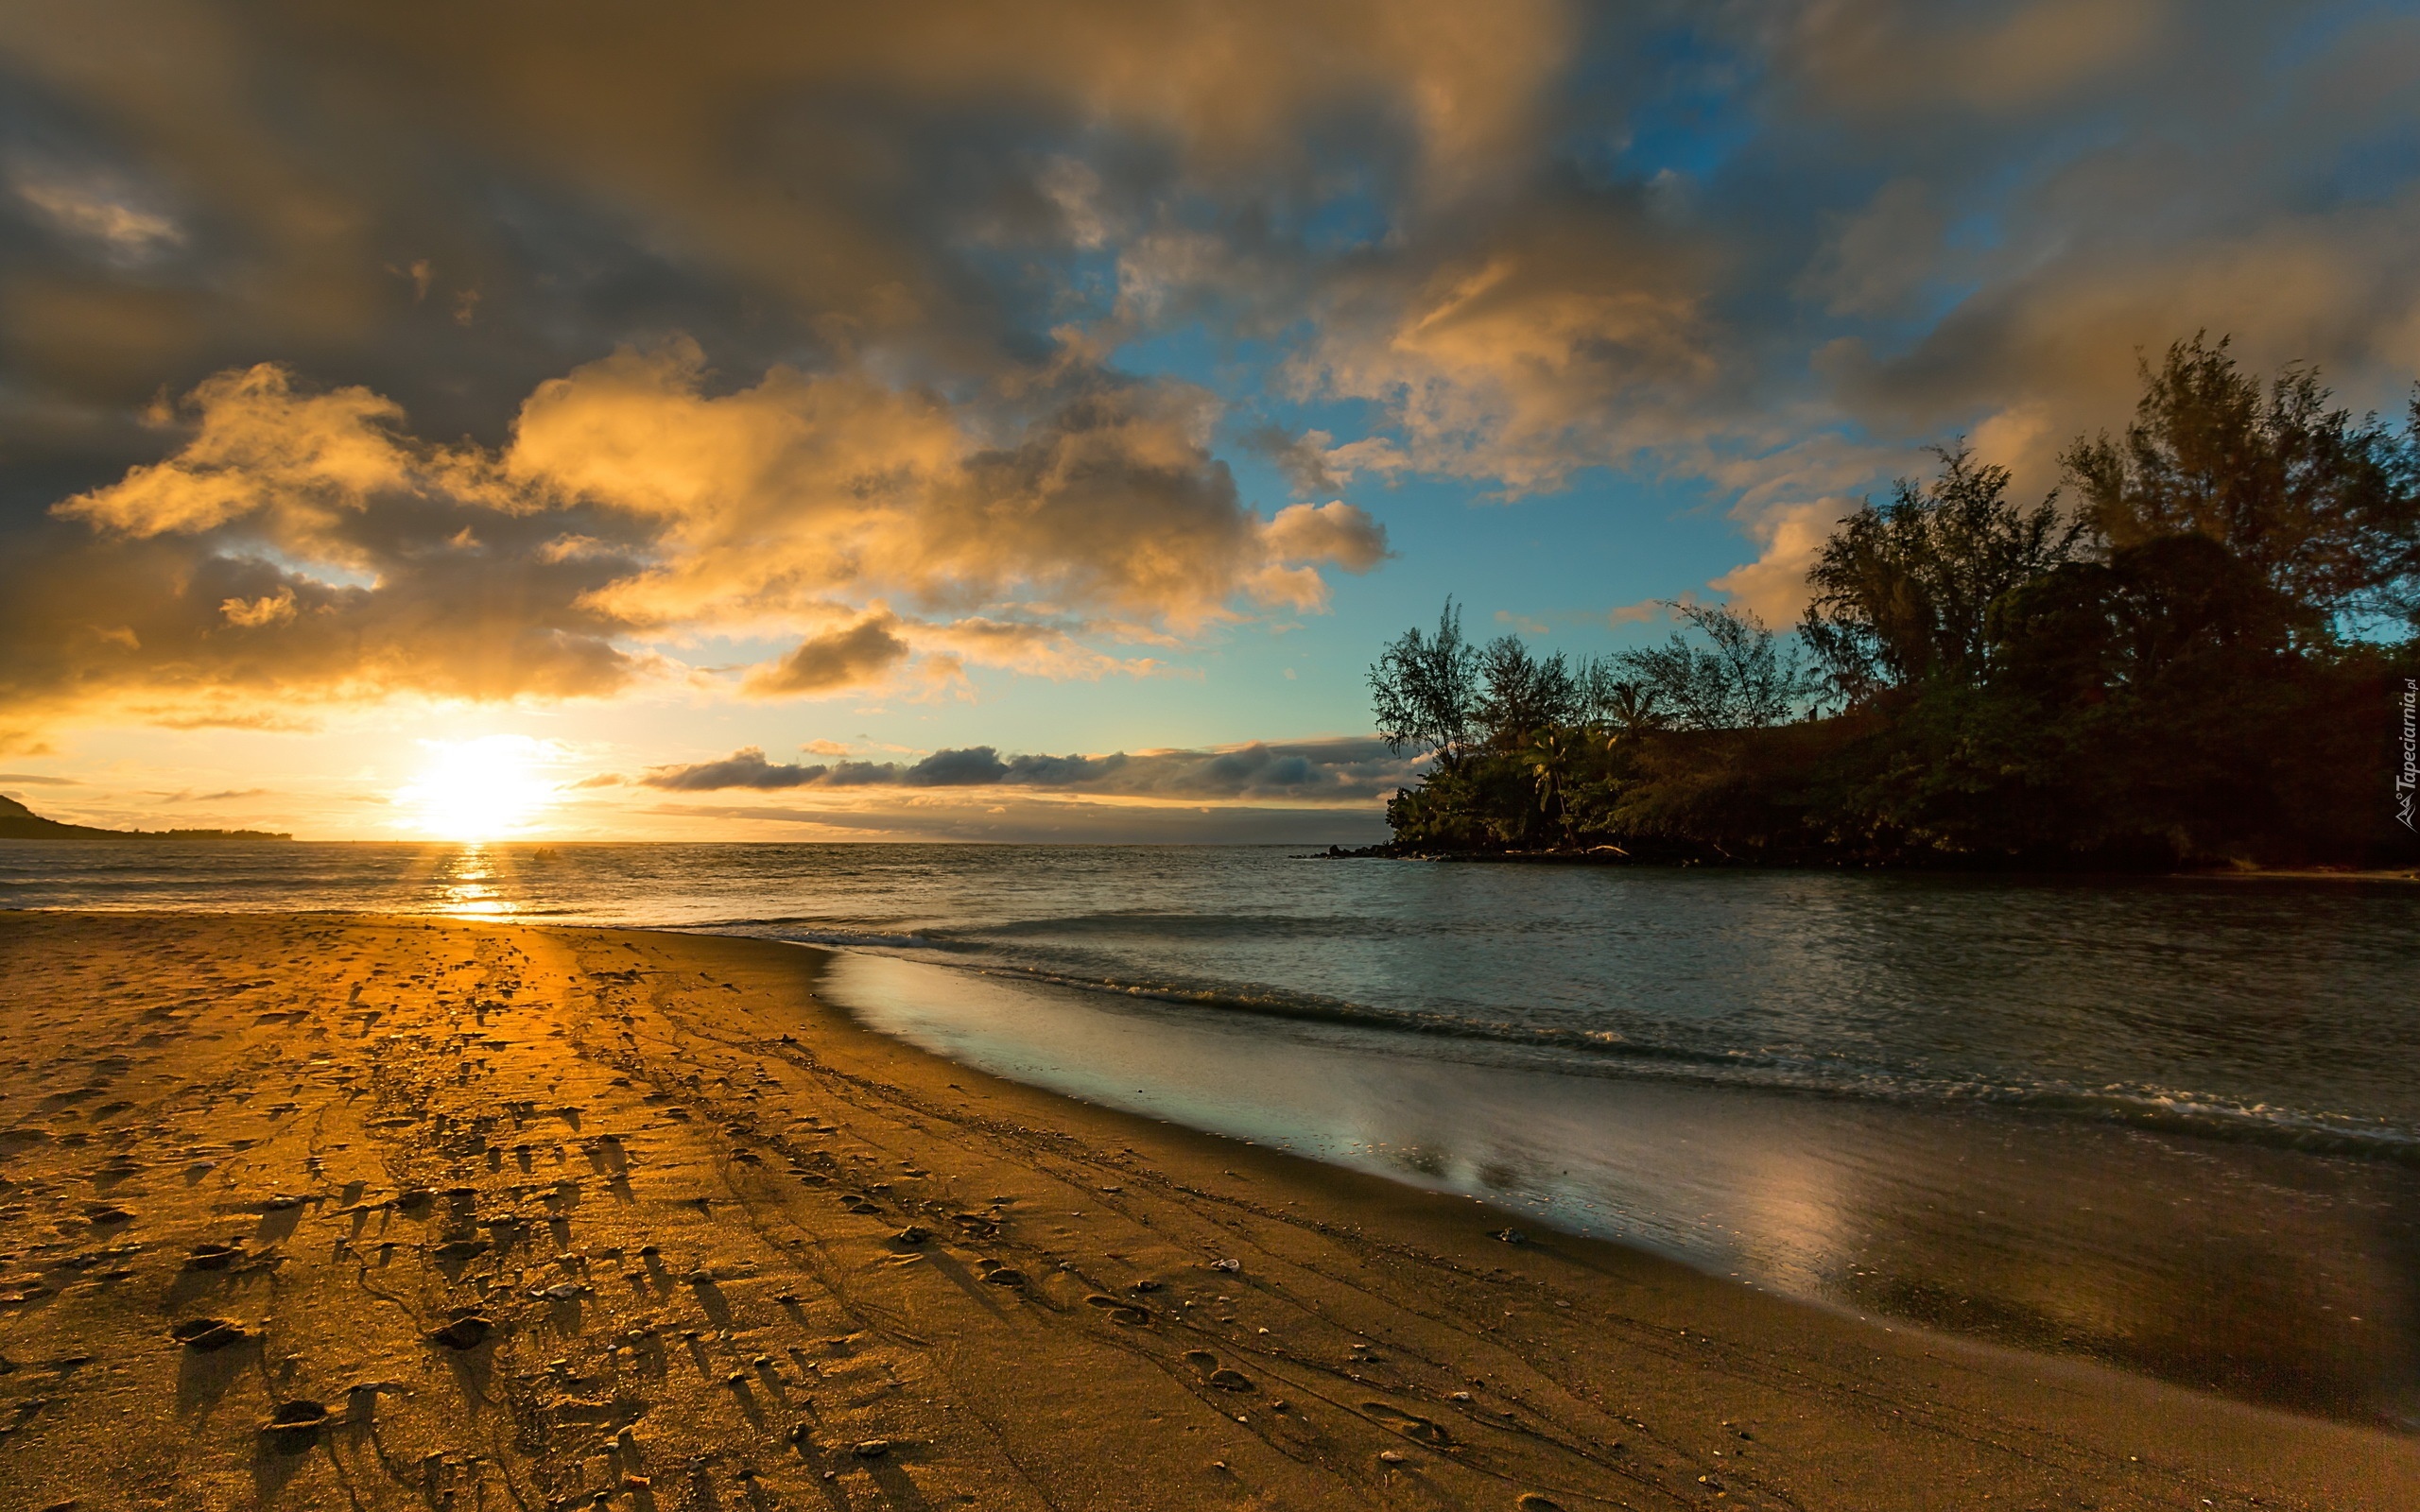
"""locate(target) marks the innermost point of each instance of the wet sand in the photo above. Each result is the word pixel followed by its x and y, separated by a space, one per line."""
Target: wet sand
pixel 2274 1274
pixel 468 1215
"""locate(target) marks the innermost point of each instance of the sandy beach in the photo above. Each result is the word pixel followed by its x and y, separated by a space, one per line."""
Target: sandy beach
pixel 322 1212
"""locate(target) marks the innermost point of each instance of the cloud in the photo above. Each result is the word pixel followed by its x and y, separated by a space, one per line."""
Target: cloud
pixel 744 767
pixel 835 662
pixel 998 818
pixel 1329 772
pixel 768 499
pixel 306 544
pixel 1775 587
pixel 1891 56
pixel 756 323
pixel 1576 335
pixel 1332 532
pixel 1878 261
pixel 98 210
pixel 1305 459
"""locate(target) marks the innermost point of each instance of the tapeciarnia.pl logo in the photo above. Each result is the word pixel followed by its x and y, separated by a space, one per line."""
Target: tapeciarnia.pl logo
pixel 2408 780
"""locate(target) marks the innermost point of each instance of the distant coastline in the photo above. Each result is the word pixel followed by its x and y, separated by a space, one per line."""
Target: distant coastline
pixel 18 822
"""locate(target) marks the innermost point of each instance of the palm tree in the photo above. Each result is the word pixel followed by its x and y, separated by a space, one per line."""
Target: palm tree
pixel 1629 707
pixel 1548 758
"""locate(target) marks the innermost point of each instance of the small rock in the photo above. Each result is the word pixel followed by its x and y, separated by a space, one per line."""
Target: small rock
pixel 871 1449
pixel 212 1257
pixel 1389 1457
pixel 1007 1276
pixel 913 1234
pixel 1230 1266
pixel 1510 1236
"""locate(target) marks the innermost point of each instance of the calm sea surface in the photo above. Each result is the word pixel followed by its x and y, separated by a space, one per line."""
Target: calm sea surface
pixel 2172 1124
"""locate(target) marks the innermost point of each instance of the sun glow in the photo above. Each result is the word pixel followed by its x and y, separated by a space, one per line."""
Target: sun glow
pixel 481 789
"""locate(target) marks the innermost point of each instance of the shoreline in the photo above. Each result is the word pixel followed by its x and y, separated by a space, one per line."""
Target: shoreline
pixel 569 1096
pixel 1606 855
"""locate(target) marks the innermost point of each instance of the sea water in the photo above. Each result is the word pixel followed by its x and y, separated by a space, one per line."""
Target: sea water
pixel 2171 1123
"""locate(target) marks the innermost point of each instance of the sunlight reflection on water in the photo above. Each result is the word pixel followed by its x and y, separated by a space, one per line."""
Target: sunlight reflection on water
pixel 467 886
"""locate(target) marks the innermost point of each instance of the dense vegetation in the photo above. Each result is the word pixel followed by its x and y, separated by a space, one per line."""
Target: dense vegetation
pixel 2195 652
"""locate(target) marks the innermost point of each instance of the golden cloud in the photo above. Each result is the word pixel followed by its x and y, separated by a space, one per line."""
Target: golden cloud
pixel 304 545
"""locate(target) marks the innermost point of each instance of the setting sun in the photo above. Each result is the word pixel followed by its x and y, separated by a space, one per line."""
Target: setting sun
pixel 479 789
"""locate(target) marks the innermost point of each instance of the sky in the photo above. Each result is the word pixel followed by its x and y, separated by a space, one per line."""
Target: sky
pixel 785 420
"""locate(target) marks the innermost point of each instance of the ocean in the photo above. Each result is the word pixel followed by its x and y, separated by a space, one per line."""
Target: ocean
pixel 2173 1125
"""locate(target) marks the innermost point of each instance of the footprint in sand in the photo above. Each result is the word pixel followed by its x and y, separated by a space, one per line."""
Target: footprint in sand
pixel 294 1426
pixel 1214 1374
pixel 208 1333
pixel 1407 1424
pixel 466 1332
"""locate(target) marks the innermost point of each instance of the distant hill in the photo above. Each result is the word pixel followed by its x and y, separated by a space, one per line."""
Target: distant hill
pixel 18 822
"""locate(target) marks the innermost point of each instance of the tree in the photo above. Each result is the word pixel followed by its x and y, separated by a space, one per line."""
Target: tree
pixel 2171 605
pixel 1524 694
pixel 2326 510
pixel 1426 689
pixel 1745 681
pixel 1548 759
pixel 1903 592
pixel 1622 705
